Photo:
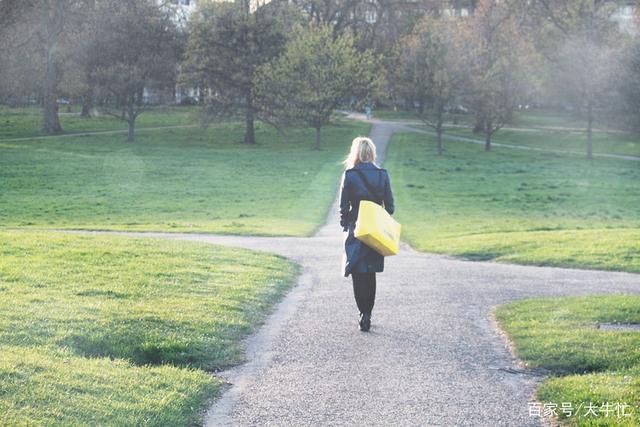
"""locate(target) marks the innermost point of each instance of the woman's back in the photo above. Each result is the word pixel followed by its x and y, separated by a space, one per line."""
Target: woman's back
pixel 365 181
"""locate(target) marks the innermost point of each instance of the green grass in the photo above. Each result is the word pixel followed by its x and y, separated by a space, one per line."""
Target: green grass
pixel 99 330
pixel 603 143
pixel 517 206
pixel 613 387
pixel 602 248
pixel 559 336
pixel 115 330
pixel 27 122
pixel 56 387
pixel 145 300
pixel 194 179
pixel 534 119
pixel 536 129
pixel 538 118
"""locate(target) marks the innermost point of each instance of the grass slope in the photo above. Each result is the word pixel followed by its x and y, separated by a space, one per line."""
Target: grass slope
pixel 516 206
pixel 26 122
pixel 116 330
pixel 537 129
pixel 531 119
pixel 599 366
pixel 176 180
pixel 57 388
pixel 603 143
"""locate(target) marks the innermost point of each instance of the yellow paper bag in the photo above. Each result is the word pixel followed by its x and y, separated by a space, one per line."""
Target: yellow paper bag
pixel 377 229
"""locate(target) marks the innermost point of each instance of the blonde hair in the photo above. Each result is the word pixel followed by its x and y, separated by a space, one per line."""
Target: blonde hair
pixel 363 150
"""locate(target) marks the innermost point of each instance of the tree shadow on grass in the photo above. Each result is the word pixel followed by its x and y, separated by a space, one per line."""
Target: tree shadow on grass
pixel 153 341
pixel 481 256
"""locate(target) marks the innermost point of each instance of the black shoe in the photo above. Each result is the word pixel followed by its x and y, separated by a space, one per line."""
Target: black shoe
pixel 365 322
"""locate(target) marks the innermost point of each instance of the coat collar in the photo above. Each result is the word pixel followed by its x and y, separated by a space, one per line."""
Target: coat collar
pixel 367 165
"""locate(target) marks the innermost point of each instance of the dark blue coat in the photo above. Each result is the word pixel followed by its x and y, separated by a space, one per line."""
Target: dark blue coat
pixel 358 257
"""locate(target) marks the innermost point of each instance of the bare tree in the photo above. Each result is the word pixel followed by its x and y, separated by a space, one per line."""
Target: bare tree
pixel 496 57
pixel 87 57
pixel 427 71
pixel 18 72
pixel 39 36
pixel 575 38
pixel 627 85
pixel 136 41
pixel 55 11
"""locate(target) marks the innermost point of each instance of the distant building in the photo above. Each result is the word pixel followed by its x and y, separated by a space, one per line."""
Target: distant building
pixel 183 10
pixel 626 16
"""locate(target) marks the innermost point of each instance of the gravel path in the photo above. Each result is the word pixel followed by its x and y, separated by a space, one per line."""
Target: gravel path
pixel 432 357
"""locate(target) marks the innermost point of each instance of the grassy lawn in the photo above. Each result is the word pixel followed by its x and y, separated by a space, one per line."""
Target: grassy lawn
pixel 56 387
pixel 526 119
pixel 603 143
pixel 190 179
pixel 107 330
pixel 587 365
pixel 517 206
pixel 551 118
pixel 26 122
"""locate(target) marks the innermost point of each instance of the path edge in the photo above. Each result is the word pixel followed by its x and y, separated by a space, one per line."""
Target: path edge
pixel 518 363
pixel 258 353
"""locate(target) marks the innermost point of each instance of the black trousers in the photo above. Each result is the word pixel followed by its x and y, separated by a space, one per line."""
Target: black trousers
pixel 364 289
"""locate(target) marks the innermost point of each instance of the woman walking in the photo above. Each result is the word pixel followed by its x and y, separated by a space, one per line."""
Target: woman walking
pixel 362 180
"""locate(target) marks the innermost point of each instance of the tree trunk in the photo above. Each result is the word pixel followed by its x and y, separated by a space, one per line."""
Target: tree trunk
pixel 487 136
pixel 479 127
pixel 317 145
pixel 89 61
pixel 249 134
pixel 439 124
pixel 50 119
pixel 131 121
pixel 86 108
pixel 87 101
pixel 590 131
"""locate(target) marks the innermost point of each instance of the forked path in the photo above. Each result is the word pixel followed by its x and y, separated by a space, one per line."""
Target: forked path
pixel 432 356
